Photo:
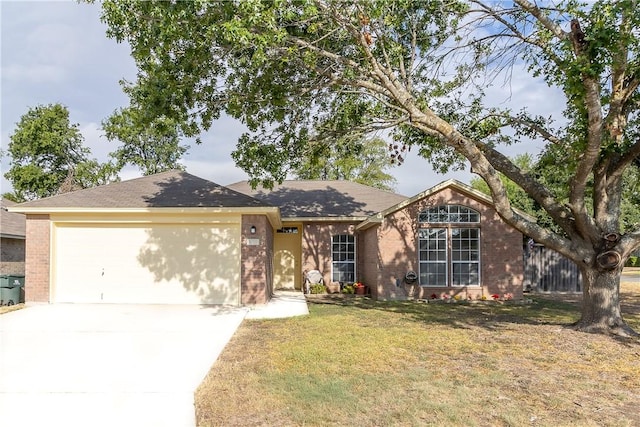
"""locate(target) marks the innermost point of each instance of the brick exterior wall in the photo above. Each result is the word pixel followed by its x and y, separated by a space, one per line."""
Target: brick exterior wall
pixel 390 251
pixel 12 256
pixel 38 258
pixel 257 260
pixel 316 246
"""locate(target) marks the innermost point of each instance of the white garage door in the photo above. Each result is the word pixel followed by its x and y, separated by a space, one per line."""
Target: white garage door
pixel 150 264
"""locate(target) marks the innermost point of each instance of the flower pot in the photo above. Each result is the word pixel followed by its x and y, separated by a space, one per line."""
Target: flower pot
pixel 360 290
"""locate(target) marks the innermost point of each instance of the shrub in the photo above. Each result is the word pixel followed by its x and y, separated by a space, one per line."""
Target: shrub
pixel 348 289
pixel 317 288
pixel 633 261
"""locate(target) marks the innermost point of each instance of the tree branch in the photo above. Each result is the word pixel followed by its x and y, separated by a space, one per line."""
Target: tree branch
pixel 543 19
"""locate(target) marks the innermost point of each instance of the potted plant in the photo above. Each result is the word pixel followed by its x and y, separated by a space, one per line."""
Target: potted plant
pixel 359 288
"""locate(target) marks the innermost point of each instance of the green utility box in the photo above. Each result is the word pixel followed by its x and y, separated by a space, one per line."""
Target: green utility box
pixel 11 289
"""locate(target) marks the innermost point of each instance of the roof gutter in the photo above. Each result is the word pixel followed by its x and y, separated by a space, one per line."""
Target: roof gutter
pixel 325 219
pixel 12 236
pixel 272 212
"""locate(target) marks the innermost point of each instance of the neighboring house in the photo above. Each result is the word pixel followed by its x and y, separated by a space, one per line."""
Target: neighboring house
pixel 177 238
pixel 12 239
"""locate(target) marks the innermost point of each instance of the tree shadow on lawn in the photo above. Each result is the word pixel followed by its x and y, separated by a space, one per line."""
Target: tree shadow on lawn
pixel 490 315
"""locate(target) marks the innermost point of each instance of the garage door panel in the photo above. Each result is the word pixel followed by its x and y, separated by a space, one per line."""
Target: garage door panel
pixel 174 264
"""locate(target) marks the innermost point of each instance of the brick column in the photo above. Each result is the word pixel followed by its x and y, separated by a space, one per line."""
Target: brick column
pixel 256 274
pixel 37 258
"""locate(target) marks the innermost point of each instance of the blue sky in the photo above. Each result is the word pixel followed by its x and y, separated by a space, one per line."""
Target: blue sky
pixel 57 52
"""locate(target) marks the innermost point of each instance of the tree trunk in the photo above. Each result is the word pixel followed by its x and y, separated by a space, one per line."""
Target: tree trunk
pixel 601 303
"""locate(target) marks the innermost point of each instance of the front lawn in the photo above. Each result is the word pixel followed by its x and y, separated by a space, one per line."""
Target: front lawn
pixel 365 363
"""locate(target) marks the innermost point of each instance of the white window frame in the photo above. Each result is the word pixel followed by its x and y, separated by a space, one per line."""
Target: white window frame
pixel 343 239
pixel 425 232
pixel 451 219
pixel 470 253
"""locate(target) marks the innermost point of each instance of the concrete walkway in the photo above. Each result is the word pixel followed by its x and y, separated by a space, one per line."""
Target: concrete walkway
pixel 115 365
pixel 282 304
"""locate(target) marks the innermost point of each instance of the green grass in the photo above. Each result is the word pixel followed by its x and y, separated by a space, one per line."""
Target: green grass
pixel 359 362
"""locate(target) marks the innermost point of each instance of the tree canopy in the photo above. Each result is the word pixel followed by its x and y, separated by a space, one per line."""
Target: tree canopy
pixel 152 146
pixel 361 160
pixel 48 156
pixel 555 178
pixel 296 71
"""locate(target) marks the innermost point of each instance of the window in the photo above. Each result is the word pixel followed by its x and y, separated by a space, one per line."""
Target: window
pixel 465 256
pixel 433 257
pixel 449 213
pixel 449 254
pixel 343 255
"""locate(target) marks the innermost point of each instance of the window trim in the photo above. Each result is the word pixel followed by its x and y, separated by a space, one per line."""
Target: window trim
pixel 476 262
pixel 350 239
pixel 446 256
pixel 459 218
pixel 446 214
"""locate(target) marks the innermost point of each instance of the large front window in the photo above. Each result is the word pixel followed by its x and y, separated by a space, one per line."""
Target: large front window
pixel 449 253
pixel 343 255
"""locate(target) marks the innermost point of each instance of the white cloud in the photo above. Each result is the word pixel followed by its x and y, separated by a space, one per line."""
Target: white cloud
pixel 222 171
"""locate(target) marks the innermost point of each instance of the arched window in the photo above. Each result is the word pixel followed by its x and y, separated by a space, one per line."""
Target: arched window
pixel 449 214
pixel 449 246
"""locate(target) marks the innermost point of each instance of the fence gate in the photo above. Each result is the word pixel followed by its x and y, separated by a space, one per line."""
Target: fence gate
pixel 545 270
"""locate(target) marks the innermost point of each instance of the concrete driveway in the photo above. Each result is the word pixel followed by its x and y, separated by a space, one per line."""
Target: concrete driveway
pixel 108 365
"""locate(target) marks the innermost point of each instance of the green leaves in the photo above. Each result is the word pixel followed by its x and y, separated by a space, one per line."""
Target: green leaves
pixel 353 159
pixel 47 153
pixel 152 146
pixel 303 74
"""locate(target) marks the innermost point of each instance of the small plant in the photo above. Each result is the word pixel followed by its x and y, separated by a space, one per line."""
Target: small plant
pixel 507 296
pixel 360 288
pixel 348 289
pixel 317 288
pixel 434 296
pixel 495 297
pixel 457 297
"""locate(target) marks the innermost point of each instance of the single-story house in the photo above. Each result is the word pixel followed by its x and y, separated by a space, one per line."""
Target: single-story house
pixel 179 239
pixel 12 240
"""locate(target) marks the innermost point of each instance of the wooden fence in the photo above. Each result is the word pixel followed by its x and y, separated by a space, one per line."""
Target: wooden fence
pixel 545 270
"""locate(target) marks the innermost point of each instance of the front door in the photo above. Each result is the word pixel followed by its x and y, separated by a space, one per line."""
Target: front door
pixel 286 258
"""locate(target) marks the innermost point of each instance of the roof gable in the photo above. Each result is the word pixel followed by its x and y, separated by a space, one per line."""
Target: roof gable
pixel 323 199
pixel 171 189
pixel 451 183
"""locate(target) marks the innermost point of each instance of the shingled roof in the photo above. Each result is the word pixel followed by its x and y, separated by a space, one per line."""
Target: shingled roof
pixel 12 225
pixel 164 190
pixel 323 199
